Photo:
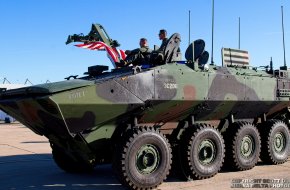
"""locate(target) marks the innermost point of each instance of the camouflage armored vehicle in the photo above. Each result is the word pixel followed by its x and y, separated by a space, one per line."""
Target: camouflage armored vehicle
pixel 170 116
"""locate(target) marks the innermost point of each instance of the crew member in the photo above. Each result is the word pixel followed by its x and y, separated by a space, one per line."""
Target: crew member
pixel 163 37
pixel 140 55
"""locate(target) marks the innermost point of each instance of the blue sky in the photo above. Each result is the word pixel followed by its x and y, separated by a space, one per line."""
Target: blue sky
pixel 33 32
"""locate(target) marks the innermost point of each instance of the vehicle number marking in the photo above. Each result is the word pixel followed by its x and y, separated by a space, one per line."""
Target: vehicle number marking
pixel 76 94
pixel 170 85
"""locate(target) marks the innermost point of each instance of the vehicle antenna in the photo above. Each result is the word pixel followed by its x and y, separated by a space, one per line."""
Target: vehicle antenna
pixel 285 66
pixel 239 33
pixel 212 29
pixel 189 27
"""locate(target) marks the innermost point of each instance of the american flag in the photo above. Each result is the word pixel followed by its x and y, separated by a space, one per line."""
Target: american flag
pixel 114 54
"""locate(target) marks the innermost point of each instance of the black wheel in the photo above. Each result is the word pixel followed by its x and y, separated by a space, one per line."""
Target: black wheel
pixel 144 160
pixel 243 146
pixel 69 164
pixel 275 142
pixel 201 152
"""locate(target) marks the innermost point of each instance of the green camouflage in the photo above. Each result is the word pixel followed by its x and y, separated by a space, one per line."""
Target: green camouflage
pixel 96 116
pixel 167 93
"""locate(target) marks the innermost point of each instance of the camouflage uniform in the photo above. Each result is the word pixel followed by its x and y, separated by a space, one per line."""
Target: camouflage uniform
pixel 139 56
pixel 163 44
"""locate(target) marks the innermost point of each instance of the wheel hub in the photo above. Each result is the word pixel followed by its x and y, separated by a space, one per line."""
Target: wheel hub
pixel 147 159
pixel 207 152
pixel 247 146
pixel 279 142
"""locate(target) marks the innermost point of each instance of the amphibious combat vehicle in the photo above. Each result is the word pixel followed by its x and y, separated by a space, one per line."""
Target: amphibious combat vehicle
pixel 148 120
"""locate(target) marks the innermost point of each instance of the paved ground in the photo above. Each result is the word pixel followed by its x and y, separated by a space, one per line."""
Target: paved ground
pixel 26 163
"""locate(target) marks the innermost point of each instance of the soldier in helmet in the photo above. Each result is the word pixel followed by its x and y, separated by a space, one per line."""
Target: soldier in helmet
pixel 138 56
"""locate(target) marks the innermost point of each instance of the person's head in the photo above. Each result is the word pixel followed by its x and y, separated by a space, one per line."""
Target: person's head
pixel 162 34
pixel 143 42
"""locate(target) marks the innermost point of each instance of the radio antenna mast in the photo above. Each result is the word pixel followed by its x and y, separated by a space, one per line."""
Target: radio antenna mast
pixel 189 27
pixel 285 65
pixel 212 31
pixel 239 33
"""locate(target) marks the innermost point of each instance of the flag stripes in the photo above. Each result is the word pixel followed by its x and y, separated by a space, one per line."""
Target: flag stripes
pixel 114 54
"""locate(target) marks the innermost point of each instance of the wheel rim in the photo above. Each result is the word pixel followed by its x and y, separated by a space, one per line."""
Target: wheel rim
pixel 279 142
pixel 207 152
pixel 147 159
pixel 247 146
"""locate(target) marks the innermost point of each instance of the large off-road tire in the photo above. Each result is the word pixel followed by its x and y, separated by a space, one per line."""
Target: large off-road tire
pixel 243 146
pixel 275 140
pixel 69 164
pixel 144 159
pixel 201 152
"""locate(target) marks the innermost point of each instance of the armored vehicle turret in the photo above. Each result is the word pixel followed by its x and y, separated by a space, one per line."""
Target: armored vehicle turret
pixel 167 116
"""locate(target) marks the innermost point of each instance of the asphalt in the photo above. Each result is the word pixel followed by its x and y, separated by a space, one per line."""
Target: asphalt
pixel 26 163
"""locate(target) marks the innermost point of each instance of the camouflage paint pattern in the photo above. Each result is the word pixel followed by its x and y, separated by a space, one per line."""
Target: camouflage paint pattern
pixel 93 108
